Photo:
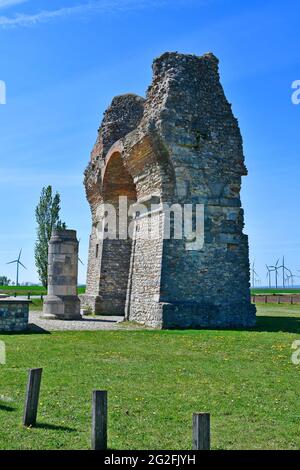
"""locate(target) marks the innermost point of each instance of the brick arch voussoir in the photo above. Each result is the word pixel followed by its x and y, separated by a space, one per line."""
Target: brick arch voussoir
pixel 149 155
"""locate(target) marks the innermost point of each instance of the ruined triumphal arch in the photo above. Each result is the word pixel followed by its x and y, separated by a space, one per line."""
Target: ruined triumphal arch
pixel 181 146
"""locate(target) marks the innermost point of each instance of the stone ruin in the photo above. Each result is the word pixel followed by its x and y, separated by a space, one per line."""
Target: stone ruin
pixel 180 145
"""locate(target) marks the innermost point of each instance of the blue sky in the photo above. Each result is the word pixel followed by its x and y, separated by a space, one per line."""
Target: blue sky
pixel 63 61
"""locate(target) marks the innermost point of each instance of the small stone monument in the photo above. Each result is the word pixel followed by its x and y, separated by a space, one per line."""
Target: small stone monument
pixel 62 301
pixel 13 314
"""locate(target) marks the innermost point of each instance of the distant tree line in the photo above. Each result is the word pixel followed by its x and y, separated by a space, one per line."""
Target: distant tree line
pixel 4 281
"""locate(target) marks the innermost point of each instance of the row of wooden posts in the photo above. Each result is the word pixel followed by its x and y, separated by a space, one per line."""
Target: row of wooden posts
pixel 201 421
pixel 29 295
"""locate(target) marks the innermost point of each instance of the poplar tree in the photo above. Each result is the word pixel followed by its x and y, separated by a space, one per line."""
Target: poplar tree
pixel 47 217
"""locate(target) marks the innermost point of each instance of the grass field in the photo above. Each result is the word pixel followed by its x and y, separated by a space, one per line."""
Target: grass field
pixel 32 290
pixel 39 290
pixel 156 380
pixel 263 290
pixel 36 305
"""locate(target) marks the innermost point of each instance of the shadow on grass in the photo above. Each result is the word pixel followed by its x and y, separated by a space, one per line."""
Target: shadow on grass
pixel 54 427
pixel 276 324
pixel 268 324
pixel 32 330
pixel 6 407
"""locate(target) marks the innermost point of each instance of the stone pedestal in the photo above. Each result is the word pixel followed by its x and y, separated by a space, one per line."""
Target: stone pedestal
pixel 14 314
pixel 62 301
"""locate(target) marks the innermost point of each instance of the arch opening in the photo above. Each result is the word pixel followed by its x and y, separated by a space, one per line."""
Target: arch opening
pixel 116 251
pixel 117 181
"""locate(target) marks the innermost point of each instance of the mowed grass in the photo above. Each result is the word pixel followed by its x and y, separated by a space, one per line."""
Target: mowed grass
pixel 32 290
pixel 36 305
pixel 40 290
pixel 156 380
pixel 272 291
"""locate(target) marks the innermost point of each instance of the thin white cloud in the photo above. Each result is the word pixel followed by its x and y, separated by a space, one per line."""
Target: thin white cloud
pixel 103 6
pixel 10 3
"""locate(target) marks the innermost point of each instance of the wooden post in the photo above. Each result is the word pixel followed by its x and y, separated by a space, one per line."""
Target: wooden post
pixel 201 431
pixel 99 420
pixel 32 397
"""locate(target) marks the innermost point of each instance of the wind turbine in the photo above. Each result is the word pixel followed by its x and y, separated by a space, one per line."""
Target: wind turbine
pixel 18 264
pixel 269 274
pixel 254 273
pixel 284 268
pixel 276 269
pixel 292 277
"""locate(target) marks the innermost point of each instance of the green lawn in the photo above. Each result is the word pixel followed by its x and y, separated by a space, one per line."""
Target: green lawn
pixel 156 380
pixel 23 290
pixel 36 305
pixel 32 290
pixel 38 290
pixel 272 291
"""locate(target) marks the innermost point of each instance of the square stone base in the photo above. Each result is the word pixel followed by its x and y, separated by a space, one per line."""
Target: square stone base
pixel 65 307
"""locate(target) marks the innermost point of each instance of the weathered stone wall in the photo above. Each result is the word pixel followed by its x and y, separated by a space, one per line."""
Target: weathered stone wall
pixel 181 145
pixel 13 315
pixel 144 286
pixel 122 116
pixel 210 286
